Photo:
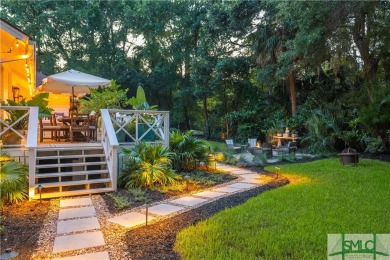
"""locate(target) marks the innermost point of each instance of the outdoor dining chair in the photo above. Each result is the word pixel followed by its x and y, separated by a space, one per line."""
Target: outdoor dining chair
pixel 231 146
pixel 93 126
pixel 266 148
pixel 54 129
pixel 252 145
pixel 291 147
pixel 79 127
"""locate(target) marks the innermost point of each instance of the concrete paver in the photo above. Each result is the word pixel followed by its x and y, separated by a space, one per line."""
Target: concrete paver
pixel 130 219
pixel 226 189
pixel 241 185
pixel 95 256
pixel 75 202
pixel 188 201
pixel 78 241
pixel 251 178
pixel 240 171
pixel 68 226
pixel 209 194
pixel 79 215
pixel 164 209
pixel 77 212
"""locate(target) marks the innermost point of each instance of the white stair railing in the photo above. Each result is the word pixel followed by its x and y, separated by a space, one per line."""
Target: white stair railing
pixel 110 146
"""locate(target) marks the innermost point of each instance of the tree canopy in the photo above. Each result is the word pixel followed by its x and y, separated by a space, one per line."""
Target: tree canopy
pixel 241 68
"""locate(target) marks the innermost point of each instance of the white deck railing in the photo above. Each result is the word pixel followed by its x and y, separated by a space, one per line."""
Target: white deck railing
pixel 110 146
pixel 23 139
pixel 134 126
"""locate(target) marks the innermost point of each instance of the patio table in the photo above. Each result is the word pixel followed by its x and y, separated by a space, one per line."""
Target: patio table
pixel 280 138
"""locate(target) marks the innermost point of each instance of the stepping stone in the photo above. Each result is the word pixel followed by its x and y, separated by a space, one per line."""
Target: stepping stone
pixel 131 219
pixel 240 171
pixel 227 168
pixel 95 256
pixel 68 226
pixel 251 178
pixel 75 202
pixel 78 241
pixel 188 201
pixel 77 212
pixel 226 189
pixel 164 209
pixel 209 194
pixel 240 185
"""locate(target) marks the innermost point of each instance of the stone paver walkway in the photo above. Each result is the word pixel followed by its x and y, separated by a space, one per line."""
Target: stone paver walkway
pixel 246 180
pixel 78 228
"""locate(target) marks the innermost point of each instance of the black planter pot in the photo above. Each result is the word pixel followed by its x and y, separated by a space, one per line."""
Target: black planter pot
pixel 349 157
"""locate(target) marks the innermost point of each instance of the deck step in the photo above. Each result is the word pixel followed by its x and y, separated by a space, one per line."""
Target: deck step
pixel 76 156
pixel 76 173
pixel 72 193
pixel 73 183
pixel 72 164
pixel 69 148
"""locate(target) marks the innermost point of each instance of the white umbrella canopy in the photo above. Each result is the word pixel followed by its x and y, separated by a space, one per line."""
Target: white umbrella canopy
pixel 72 82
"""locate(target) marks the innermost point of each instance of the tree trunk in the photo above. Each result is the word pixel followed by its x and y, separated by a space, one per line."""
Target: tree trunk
pixel 293 93
pixel 362 41
pixel 206 120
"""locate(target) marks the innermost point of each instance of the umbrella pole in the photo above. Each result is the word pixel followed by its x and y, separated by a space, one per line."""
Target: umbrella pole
pixel 72 97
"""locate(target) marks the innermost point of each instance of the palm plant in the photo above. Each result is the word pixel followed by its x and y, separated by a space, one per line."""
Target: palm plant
pixel 186 150
pixel 147 166
pixel 13 180
pixel 323 128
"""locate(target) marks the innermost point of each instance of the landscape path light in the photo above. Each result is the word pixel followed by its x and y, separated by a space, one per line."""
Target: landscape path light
pixel 147 205
pixel 40 187
pixel 187 178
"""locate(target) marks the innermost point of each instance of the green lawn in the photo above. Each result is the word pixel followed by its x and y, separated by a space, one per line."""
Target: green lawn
pixel 215 146
pixel 292 222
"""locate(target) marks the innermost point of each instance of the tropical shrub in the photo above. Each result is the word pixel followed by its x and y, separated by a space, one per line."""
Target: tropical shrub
pixel 374 145
pixel 39 100
pixel 323 129
pixel 147 166
pixel 13 180
pixel 105 97
pixel 121 202
pixel 139 101
pixel 186 150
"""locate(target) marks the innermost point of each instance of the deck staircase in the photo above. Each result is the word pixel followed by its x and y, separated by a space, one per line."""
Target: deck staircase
pixel 71 171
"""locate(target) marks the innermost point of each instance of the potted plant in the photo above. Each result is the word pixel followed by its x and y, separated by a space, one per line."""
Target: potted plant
pixel 39 100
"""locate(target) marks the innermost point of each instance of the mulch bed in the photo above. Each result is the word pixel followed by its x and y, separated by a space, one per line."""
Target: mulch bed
pixel 377 156
pixel 153 196
pixel 157 241
pixel 22 224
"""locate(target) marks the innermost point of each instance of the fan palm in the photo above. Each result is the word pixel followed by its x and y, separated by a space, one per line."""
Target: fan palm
pixel 147 166
pixel 13 181
pixel 186 149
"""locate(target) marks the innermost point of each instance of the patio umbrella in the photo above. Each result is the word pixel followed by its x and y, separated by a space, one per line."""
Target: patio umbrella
pixel 72 82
